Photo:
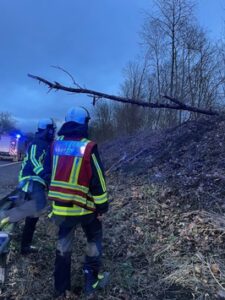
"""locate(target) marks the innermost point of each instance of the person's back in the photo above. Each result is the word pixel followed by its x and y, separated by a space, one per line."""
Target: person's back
pixel 32 165
pixel 32 184
pixel 78 194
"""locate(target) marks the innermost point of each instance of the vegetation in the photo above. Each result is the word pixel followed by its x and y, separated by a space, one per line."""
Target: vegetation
pixel 7 123
pixel 178 59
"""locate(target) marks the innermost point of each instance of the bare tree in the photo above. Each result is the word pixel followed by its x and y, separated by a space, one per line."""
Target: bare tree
pixel 129 118
pixel 103 127
pixel 163 34
pixel 182 63
pixel 7 123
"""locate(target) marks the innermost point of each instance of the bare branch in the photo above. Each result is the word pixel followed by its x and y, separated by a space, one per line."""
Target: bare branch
pixel 72 78
pixel 172 99
pixel 94 99
pixel 180 106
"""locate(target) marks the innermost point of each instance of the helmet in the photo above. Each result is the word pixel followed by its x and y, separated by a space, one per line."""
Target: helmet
pixel 46 128
pixel 78 114
pixel 46 123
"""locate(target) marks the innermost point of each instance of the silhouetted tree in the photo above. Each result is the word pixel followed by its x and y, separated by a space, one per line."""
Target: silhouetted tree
pixel 7 123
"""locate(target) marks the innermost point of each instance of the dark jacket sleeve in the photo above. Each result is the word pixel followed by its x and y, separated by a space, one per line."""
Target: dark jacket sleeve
pixel 97 184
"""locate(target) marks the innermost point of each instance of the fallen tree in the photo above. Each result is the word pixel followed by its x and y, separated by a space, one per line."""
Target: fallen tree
pixel 178 105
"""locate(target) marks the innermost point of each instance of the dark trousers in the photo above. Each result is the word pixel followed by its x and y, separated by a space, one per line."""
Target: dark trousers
pixel 29 206
pixel 92 228
pixel 28 232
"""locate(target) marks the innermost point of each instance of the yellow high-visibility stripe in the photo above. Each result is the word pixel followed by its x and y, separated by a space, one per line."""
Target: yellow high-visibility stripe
pixel 100 199
pixel 54 165
pixel 34 178
pixel 101 177
pixel 75 205
pixel 41 158
pixel 22 167
pixel 32 155
pixel 37 165
pixel 64 184
pixel 95 284
pixel 77 165
pixel 68 197
pixel 75 170
pixel 78 169
pixel 38 170
pixel 25 187
pixel 55 161
pixel 69 211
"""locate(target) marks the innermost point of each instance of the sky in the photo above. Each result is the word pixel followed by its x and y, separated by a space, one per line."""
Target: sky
pixel 91 39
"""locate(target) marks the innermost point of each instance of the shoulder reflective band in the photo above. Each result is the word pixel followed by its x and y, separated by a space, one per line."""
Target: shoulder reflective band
pixel 70 148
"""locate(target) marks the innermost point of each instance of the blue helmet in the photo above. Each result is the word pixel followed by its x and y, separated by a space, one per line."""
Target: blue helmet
pixel 47 128
pixel 46 123
pixel 78 114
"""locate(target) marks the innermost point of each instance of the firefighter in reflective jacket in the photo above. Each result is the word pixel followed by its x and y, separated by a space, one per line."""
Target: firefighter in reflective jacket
pixel 78 194
pixel 32 184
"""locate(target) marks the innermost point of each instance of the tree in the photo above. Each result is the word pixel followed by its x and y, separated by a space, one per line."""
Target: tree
pixel 182 62
pixel 129 118
pixel 163 34
pixel 7 123
pixel 102 128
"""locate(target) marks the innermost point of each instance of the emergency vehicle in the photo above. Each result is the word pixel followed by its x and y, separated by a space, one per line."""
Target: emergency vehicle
pixel 12 146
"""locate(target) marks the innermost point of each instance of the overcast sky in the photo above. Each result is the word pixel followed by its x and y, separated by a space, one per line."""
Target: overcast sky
pixel 92 39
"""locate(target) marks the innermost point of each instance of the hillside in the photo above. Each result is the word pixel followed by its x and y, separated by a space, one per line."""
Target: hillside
pixel 165 231
pixel 168 198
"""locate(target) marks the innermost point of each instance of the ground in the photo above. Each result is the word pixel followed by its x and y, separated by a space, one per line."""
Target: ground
pixel 8 176
pixel 164 235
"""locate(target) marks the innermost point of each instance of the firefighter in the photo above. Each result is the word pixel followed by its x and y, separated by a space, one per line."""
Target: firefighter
pixel 32 185
pixel 78 194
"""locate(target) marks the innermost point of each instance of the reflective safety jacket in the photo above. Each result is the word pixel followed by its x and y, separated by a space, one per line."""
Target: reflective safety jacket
pixel 77 182
pixel 32 165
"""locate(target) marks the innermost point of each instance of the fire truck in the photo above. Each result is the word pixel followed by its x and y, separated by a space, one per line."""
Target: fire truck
pixel 12 146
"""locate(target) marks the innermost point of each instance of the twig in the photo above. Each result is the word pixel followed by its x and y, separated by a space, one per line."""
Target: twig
pixel 165 249
pixel 173 100
pixel 94 99
pixel 125 159
pixel 115 165
pixel 73 80
pixel 214 276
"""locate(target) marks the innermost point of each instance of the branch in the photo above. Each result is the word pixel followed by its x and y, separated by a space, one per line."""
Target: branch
pixel 73 80
pixel 172 99
pixel 183 106
pixel 57 86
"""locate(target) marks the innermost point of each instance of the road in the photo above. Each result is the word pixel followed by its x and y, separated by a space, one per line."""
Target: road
pixel 8 176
